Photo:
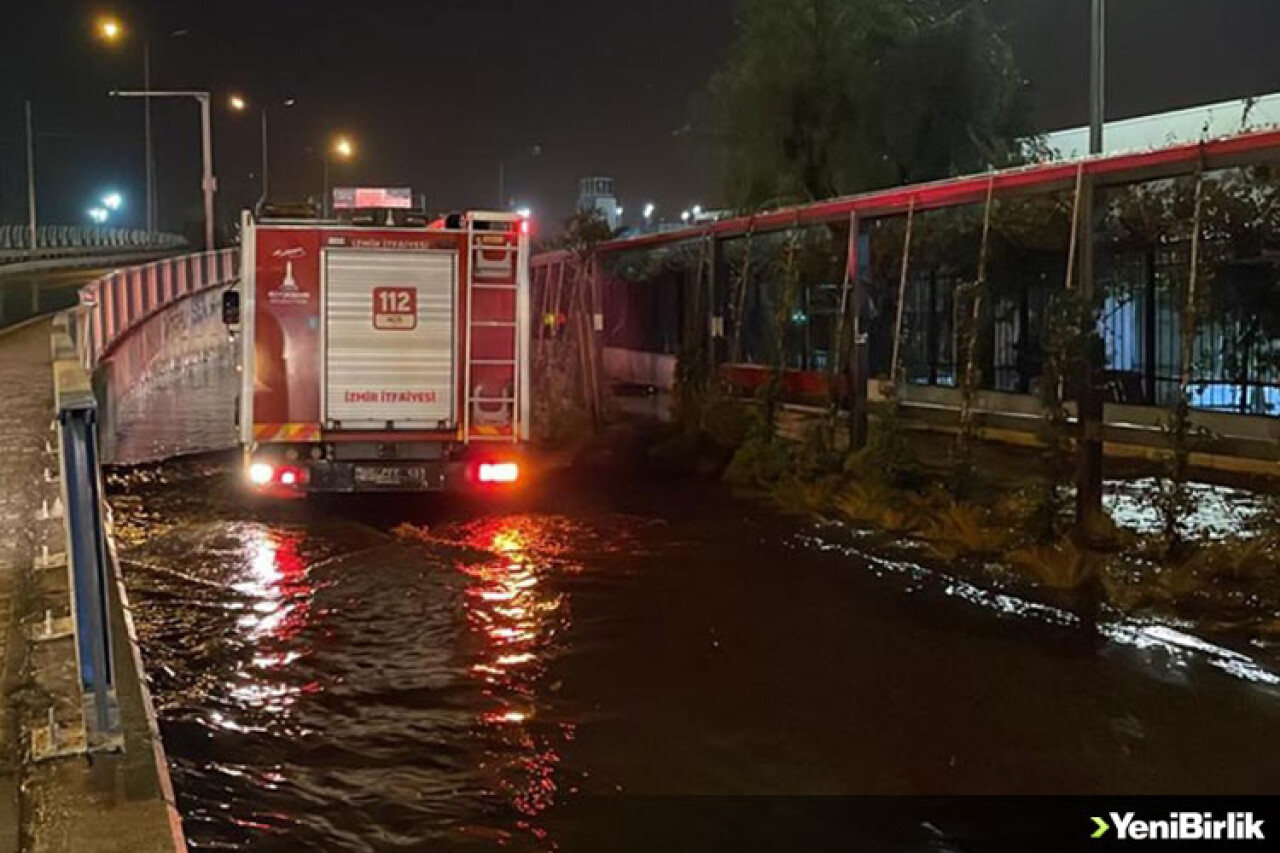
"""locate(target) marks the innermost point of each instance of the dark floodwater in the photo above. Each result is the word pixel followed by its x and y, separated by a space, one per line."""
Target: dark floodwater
pixel 409 675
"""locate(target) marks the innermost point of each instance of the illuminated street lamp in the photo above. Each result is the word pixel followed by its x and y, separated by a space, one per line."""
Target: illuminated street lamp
pixel 98 214
pixel 113 201
pixel 111 30
pixel 684 216
pixel 240 104
pixel 208 184
pixel 340 148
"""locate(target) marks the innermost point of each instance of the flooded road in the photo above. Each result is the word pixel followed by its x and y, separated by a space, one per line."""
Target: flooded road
pixel 405 674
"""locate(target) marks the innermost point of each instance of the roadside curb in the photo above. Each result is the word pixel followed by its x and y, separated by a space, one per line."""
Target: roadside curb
pixel 11 765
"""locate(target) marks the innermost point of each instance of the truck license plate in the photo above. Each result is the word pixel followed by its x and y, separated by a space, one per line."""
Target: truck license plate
pixel 389 475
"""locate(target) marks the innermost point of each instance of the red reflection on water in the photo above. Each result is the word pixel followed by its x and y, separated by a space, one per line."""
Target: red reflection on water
pixel 280 593
pixel 518 619
pixel 278 581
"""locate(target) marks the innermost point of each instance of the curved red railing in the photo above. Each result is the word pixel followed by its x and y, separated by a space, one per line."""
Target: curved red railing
pixel 116 304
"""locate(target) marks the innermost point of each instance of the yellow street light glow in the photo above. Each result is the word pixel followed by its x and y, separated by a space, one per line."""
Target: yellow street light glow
pixel 343 148
pixel 237 103
pixel 110 28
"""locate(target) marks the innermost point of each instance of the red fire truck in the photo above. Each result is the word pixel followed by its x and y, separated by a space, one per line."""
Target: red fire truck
pixel 384 353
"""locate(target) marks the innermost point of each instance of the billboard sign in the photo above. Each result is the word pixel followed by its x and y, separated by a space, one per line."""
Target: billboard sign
pixel 359 198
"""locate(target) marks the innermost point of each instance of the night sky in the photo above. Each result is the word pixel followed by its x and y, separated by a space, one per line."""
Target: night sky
pixel 436 93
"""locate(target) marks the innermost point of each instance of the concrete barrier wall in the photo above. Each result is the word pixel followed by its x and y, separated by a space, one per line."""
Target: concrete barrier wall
pixel 169 387
pixel 164 363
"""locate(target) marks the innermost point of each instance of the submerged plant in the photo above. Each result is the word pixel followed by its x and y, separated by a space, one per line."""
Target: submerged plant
pixel 1060 566
pixel 865 501
pixel 759 463
pixel 957 529
pixel 810 496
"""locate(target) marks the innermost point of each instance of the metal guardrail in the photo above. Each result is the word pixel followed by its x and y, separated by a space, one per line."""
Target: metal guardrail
pixel 90 574
pixel 114 305
pixel 15 240
pixel 110 308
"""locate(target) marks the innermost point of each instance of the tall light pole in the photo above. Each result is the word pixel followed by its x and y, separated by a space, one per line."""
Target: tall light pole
pixel 1097 75
pixel 503 201
pixel 239 104
pixel 343 149
pixel 208 183
pixel 112 31
pixel 266 165
pixel 31 183
pixel 146 133
pixel 1091 408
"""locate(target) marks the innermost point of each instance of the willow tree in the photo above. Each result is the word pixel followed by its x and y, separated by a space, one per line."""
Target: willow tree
pixel 826 97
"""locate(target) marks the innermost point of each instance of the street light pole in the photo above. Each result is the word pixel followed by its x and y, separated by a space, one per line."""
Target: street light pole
pixel 324 185
pixel 146 130
pixel 1097 75
pixel 110 29
pixel 342 146
pixel 265 174
pixel 31 183
pixel 532 151
pixel 1090 405
pixel 208 183
pixel 239 104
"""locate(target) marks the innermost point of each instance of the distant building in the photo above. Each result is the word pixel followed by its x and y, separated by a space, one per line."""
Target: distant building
pixel 598 194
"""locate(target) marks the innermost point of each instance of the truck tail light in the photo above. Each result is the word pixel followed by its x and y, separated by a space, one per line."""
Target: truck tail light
pixel 498 472
pixel 264 475
pixel 261 473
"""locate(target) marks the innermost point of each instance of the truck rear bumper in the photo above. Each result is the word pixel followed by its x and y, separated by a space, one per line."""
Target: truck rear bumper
pixel 413 476
pixel 287 472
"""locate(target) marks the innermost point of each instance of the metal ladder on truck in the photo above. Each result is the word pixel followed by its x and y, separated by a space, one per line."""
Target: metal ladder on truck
pixel 493 326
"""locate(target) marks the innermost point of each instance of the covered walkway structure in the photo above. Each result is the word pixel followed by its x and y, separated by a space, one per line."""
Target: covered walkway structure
pixel 780 296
